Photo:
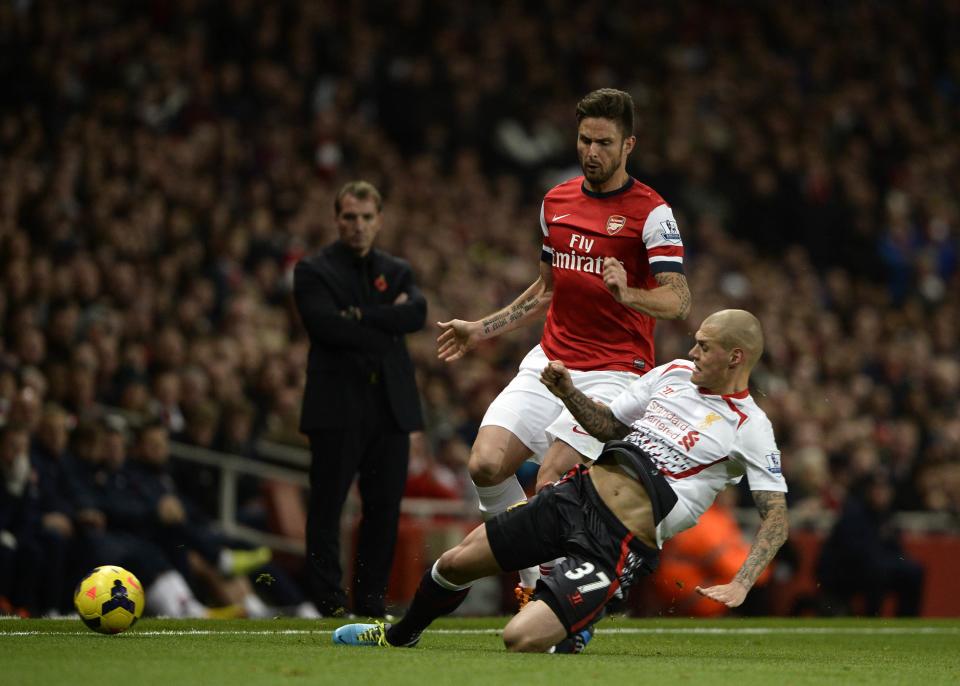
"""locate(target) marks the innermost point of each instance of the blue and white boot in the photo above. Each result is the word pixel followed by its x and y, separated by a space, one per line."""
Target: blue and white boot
pixel 362 634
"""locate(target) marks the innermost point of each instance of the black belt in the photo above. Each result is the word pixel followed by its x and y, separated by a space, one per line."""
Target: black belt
pixel 662 497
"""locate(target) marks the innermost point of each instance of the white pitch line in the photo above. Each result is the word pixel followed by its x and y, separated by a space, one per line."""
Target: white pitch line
pixel 747 631
pixel 721 631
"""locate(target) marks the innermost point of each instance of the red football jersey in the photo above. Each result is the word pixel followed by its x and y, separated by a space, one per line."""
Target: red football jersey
pixel 586 328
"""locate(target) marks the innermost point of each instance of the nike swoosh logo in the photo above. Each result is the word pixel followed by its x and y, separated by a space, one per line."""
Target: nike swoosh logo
pixel 578 430
pixel 558 217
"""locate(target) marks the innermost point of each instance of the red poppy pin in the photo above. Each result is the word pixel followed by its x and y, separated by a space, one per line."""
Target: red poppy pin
pixel 380 283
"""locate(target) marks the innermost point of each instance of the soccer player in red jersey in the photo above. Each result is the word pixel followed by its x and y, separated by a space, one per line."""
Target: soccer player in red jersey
pixel 611 264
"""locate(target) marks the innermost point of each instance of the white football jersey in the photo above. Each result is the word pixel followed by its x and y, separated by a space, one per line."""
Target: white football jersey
pixel 701 442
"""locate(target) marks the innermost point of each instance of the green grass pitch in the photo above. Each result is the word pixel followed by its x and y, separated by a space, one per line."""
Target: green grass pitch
pixel 468 651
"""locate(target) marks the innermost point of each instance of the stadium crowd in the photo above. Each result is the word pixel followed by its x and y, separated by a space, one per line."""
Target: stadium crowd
pixel 165 164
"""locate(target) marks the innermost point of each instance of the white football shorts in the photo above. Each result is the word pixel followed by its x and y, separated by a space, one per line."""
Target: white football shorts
pixel 537 417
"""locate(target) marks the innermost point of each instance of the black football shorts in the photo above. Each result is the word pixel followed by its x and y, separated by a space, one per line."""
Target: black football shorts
pixel 569 519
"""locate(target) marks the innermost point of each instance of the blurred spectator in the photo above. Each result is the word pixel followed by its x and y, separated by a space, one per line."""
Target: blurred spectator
pixel 20 551
pixel 863 558
pixel 103 502
pixel 56 534
pixel 165 403
pixel 200 483
pixel 169 518
pixel 191 542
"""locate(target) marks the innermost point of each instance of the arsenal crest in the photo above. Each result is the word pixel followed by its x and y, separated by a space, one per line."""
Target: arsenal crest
pixel 615 222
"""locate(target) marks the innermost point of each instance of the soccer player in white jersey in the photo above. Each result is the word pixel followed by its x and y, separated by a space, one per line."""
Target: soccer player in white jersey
pixel 689 429
pixel 611 265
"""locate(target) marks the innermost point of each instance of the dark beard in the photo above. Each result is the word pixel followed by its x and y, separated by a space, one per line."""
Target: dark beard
pixel 601 176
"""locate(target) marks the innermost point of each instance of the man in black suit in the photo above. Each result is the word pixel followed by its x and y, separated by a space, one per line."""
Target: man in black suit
pixel 361 402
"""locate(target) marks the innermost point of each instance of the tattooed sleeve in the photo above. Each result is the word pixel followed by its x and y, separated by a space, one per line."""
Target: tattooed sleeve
pixel 596 418
pixel 772 506
pixel 678 284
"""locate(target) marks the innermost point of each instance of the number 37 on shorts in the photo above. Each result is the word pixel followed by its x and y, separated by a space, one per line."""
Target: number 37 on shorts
pixel 584 570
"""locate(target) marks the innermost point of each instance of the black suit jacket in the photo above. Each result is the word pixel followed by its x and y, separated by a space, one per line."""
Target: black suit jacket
pixel 345 353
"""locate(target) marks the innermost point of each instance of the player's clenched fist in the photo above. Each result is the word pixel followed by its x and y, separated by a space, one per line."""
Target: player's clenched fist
pixel 615 278
pixel 557 379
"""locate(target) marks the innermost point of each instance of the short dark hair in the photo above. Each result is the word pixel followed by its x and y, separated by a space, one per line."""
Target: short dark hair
pixel 608 103
pixel 86 433
pixel 148 425
pixel 361 190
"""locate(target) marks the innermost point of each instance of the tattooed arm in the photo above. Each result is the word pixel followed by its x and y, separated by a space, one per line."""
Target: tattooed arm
pixel 669 300
pixel 771 535
pixel 458 336
pixel 596 418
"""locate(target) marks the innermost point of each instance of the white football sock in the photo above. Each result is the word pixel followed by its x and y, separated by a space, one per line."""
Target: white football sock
pixel 496 499
pixel 546 568
pixel 529 576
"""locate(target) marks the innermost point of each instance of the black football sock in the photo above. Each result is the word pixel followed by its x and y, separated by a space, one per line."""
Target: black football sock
pixel 432 600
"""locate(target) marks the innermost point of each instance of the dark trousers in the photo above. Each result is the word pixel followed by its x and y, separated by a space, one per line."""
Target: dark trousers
pixel 898 575
pixel 18 573
pixel 53 573
pixel 886 574
pixel 378 452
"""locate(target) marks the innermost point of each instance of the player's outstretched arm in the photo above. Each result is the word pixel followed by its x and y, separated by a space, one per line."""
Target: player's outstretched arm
pixel 457 337
pixel 669 300
pixel 771 535
pixel 596 418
